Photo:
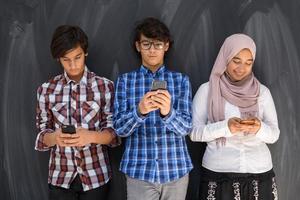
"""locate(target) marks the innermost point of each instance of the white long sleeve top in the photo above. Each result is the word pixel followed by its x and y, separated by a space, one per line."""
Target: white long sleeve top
pixel 241 153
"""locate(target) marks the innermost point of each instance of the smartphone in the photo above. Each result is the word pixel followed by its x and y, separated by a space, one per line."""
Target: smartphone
pixel 68 129
pixel 248 121
pixel 159 85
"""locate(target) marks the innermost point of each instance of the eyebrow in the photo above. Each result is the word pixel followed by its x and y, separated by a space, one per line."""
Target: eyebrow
pixel 151 41
pixel 74 56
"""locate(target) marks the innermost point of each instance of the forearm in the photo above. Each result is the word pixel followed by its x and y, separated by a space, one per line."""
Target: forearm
pixel 202 132
pixel 104 137
pixel 179 123
pixel 126 123
pixel 268 133
pixel 269 130
pixel 179 119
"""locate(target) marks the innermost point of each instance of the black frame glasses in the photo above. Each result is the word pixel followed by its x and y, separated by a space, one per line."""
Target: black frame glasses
pixel 146 45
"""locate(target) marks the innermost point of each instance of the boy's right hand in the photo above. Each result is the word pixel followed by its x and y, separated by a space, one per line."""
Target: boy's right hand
pixel 57 138
pixel 146 104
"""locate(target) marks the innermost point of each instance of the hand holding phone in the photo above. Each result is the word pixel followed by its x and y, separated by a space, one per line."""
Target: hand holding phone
pixel 252 125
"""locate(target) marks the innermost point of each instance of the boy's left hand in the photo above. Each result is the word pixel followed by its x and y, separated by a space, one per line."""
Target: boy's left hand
pixel 162 99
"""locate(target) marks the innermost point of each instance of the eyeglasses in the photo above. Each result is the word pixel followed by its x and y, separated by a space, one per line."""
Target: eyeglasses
pixel 146 45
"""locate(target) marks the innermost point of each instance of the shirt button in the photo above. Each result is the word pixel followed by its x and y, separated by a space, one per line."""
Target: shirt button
pixel 79 170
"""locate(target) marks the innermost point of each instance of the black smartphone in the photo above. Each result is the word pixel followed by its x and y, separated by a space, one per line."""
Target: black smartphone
pixel 159 85
pixel 68 129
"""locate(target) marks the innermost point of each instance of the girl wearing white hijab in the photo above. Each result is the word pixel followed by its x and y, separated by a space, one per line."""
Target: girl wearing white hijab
pixel 235 115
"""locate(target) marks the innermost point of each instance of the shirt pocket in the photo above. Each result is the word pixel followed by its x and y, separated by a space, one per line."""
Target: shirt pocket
pixel 90 112
pixel 60 114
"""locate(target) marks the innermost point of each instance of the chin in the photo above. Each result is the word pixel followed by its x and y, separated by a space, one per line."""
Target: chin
pixel 73 74
pixel 239 77
pixel 155 64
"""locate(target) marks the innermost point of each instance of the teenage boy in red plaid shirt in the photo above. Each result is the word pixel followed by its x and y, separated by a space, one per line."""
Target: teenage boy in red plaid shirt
pixel 79 166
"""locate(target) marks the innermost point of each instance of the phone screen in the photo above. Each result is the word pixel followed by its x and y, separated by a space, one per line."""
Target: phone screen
pixel 248 122
pixel 68 129
pixel 157 84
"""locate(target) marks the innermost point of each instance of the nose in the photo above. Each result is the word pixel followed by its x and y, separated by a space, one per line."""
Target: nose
pixel 240 68
pixel 152 47
pixel 72 64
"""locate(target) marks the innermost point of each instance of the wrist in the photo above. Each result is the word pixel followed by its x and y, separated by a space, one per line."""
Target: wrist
pixel 90 138
pixel 140 114
pixel 165 113
pixel 50 139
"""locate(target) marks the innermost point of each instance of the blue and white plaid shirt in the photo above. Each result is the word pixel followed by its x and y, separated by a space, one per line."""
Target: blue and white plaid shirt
pixel 155 148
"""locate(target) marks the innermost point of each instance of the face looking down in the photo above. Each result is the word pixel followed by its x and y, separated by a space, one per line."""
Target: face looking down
pixel 240 66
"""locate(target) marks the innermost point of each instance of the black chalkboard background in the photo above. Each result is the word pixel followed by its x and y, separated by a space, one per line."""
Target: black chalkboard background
pixel 199 28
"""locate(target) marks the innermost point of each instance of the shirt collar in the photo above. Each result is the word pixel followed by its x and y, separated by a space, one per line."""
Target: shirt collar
pixel 145 70
pixel 83 79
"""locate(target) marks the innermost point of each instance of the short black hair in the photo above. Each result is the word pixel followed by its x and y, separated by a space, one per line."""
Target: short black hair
pixel 154 29
pixel 67 37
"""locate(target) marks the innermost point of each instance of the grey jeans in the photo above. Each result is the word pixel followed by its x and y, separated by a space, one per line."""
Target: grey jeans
pixel 175 190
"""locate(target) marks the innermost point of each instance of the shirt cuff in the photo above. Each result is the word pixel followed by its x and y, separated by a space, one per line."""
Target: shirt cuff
pixel 116 141
pixel 109 128
pixel 219 129
pixel 39 143
pixel 226 129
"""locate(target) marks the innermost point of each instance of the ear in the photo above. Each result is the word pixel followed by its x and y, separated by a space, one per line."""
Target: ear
pixel 86 54
pixel 137 46
pixel 167 46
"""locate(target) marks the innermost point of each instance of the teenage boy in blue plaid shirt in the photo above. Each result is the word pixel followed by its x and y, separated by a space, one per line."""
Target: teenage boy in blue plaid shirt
pixel 156 160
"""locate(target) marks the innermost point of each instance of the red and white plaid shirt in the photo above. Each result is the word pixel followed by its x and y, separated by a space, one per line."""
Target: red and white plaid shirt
pixel 91 102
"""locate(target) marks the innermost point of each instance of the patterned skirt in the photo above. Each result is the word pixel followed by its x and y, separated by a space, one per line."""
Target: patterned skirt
pixel 237 186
